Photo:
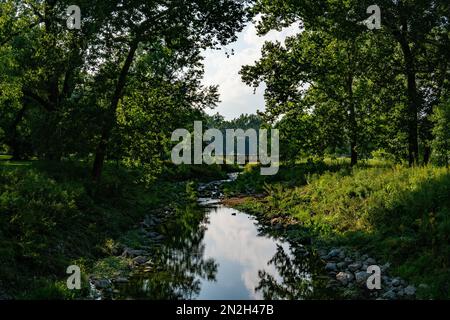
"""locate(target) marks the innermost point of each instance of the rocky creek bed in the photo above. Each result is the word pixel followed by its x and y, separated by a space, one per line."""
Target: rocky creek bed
pixel 345 268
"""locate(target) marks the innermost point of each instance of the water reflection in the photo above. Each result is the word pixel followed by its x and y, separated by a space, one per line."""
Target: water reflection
pixel 178 264
pixel 300 275
pixel 235 243
pixel 221 254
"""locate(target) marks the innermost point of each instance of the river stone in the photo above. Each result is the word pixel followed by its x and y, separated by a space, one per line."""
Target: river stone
pixel 396 282
pixel 121 280
pixel 385 267
pixel 331 266
pixel 390 295
pixel 344 278
pixel 341 265
pixel 361 278
pixel 334 253
pixel 140 260
pixel 131 253
pixel 410 291
pixel 102 284
pixel 370 262
pixel 354 267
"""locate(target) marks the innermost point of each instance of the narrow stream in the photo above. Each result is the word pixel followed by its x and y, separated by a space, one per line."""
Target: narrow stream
pixel 217 252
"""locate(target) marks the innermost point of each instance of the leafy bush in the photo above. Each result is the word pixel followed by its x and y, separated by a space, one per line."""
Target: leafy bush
pixel 401 214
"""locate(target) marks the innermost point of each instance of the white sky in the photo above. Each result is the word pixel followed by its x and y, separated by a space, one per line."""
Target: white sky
pixel 236 97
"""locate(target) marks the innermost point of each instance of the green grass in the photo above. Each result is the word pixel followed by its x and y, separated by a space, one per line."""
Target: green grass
pixel 398 214
pixel 53 216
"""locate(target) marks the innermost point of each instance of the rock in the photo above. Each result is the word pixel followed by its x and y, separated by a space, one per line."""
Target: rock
pixel 155 236
pixel 140 260
pixel 334 253
pixel 395 282
pixel 361 278
pixel 331 266
pixel 131 253
pixel 385 267
pixel 400 293
pixel 348 260
pixel 322 253
pixel 344 278
pixel 410 291
pixel 390 295
pixel 102 284
pixel 364 257
pixel 354 267
pixel 341 265
pixel 370 262
pixel 121 280
pixel 386 280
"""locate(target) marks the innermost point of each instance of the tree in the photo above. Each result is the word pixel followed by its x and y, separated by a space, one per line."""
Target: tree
pixel 412 32
pixel 441 132
pixel 183 26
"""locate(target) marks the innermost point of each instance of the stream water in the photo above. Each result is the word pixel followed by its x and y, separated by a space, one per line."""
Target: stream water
pixel 217 252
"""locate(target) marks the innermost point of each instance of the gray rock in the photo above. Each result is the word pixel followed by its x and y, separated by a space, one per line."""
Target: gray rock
pixel 354 267
pixel 341 265
pixel 334 253
pixel 344 278
pixel 361 278
pixel 386 279
pixel 331 266
pixel 364 257
pixel 410 291
pixel 390 295
pixel 140 260
pixel 348 260
pixel 370 262
pixel 385 267
pixel 121 280
pixel 322 253
pixel 131 253
pixel 395 282
pixel 102 284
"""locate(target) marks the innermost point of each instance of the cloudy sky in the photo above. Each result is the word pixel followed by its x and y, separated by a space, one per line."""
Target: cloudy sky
pixel 236 97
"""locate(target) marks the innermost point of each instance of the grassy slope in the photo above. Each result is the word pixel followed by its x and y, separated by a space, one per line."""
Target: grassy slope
pixel 397 214
pixel 52 216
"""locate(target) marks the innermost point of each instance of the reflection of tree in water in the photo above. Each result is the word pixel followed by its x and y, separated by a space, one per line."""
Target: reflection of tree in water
pixel 179 263
pixel 298 278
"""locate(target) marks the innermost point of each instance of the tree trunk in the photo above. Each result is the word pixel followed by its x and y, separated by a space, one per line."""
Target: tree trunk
pixel 110 120
pixel 353 123
pixel 13 141
pixel 426 154
pixel 413 101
